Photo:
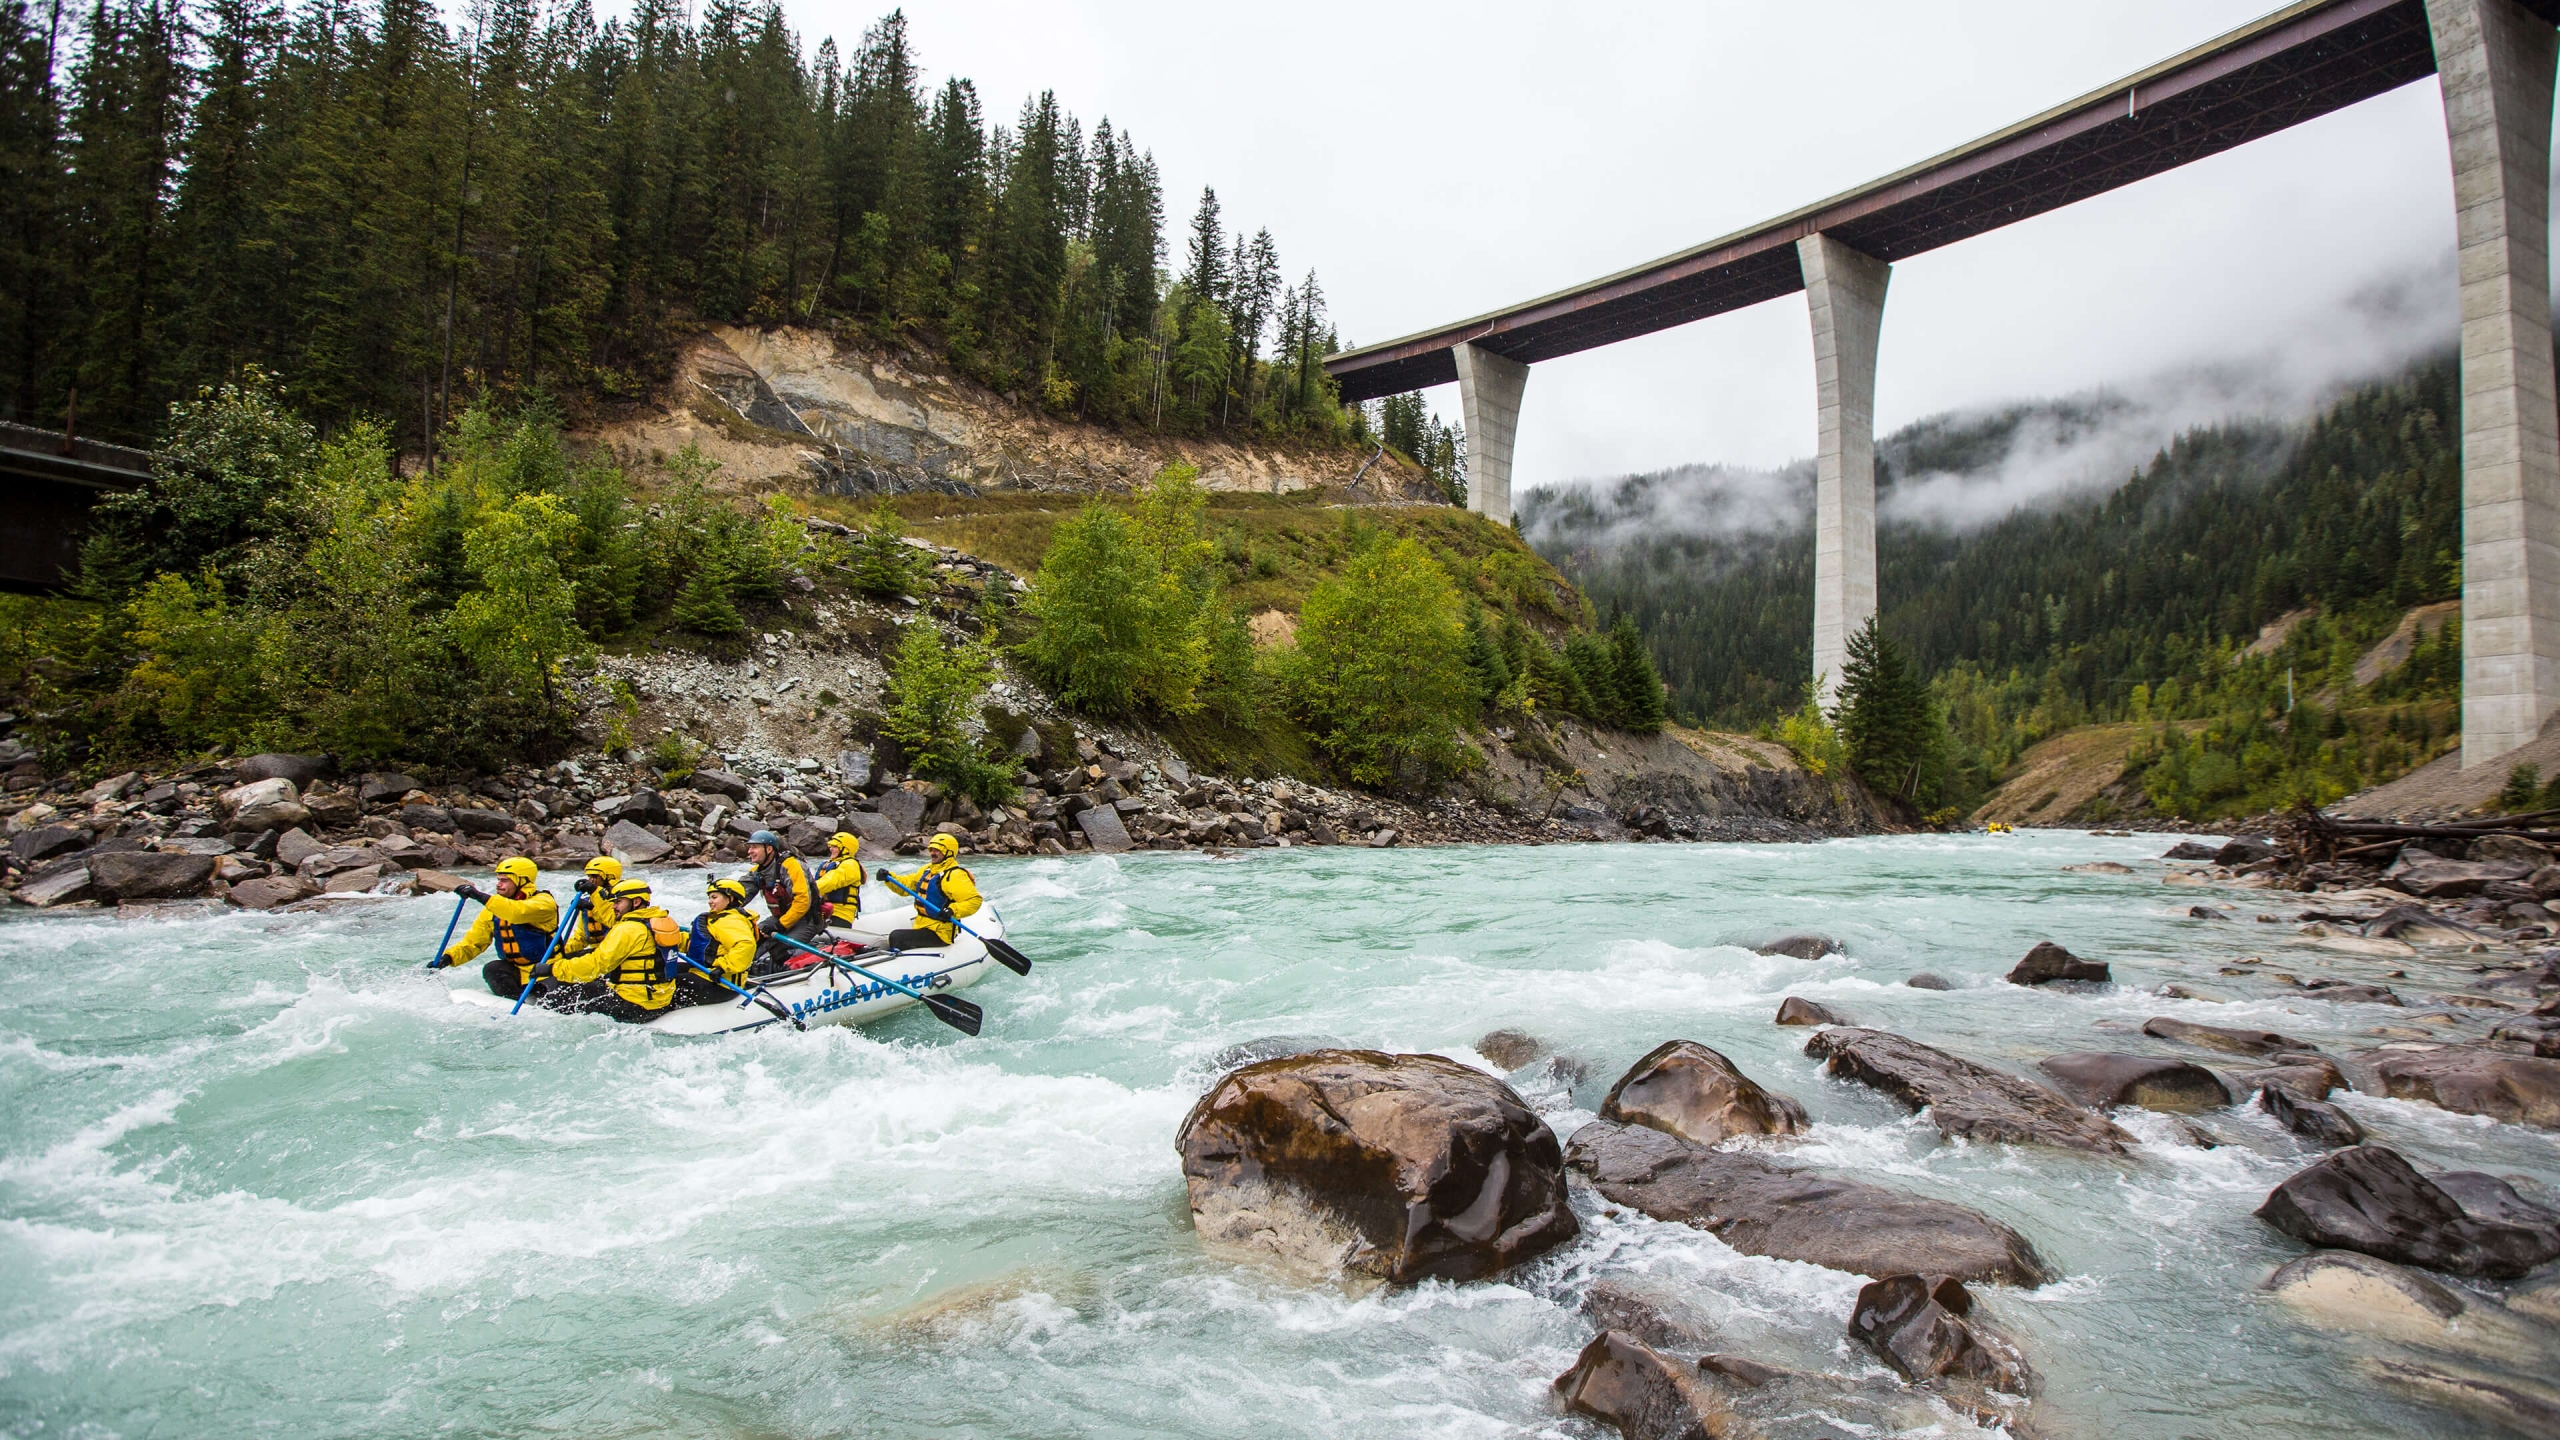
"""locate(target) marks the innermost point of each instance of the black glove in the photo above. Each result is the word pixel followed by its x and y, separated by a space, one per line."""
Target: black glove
pixel 883 875
pixel 587 885
pixel 768 926
pixel 441 962
pixel 469 891
pixel 541 972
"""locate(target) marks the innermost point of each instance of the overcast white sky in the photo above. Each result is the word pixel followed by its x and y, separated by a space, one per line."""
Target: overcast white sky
pixel 1434 160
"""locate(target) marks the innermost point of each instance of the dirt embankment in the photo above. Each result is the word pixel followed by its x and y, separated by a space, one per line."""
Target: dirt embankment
pixel 796 410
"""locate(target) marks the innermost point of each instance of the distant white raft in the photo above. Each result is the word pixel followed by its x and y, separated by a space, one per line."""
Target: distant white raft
pixel 825 994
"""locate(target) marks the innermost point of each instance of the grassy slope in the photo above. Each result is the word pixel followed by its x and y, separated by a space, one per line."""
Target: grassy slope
pixel 1278 546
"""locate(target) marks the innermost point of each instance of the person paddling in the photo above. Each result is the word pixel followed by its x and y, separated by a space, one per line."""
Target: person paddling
pixel 840 884
pixel 595 906
pixel 623 977
pixel 783 879
pixel 944 892
pixel 519 919
pixel 723 940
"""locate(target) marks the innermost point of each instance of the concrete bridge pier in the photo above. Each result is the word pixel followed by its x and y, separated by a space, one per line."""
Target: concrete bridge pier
pixel 1489 387
pixel 2494 62
pixel 1845 291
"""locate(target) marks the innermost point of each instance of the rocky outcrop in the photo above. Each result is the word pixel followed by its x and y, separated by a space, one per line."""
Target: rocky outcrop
pixel 2048 962
pixel 1405 1167
pixel 1622 1382
pixel 1924 1327
pixel 1683 1088
pixel 1961 1097
pixel 1760 1207
pixel 2105 1081
pixel 1795 1010
pixel 2519 1089
pixel 2366 1198
pixel 2317 1121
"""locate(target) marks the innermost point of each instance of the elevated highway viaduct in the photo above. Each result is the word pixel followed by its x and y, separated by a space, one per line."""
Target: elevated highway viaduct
pixel 2493 60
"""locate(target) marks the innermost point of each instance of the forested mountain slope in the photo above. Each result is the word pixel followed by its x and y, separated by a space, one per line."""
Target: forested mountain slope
pixel 2131 604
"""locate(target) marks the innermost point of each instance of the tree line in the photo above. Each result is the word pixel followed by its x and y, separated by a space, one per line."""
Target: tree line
pixel 398 217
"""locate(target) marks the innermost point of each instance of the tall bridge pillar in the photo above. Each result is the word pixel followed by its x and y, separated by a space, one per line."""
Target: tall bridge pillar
pixel 1489 387
pixel 1845 290
pixel 2494 62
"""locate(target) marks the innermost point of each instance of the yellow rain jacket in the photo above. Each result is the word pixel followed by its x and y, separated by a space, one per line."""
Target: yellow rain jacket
pixel 628 958
pixel 841 886
pixel 730 937
pixel 595 921
pixel 521 928
pixel 942 888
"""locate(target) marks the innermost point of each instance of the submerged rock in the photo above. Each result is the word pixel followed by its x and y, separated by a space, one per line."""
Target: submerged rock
pixel 2350 1290
pixel 2105 1081
pixel 1926 981
pixel 1406 1167
pixel 2317 1121
pixel 1964 1098
pixel 2519 1089
pixel 2191 850
pixel 1762 1208
pixel 2367 1198
pixel 1510 1049
pixel 1623 1382
pixel 2220 1037
pixel 1923 1326
pixel 2048 962
pixel 1795 1010
pixel 1683 1088
pixel 1612 1305
pixel 1802 945
pixel 2348 992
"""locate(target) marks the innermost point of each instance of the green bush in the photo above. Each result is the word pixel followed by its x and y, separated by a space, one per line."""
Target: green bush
pixel 1130 614
pixel 937 695
pixel 1380 672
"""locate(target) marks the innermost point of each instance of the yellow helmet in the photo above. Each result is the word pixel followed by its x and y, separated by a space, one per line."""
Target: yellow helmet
pixel 736 891
pixel 629 890
pixel 518 869
pixel 844 844
pixel 943 845
pixel 605 868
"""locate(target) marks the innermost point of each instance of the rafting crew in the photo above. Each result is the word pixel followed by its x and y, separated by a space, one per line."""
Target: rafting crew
pixel 944 893
pixel 790 898
pixel 624 976
pixel 723 941
pixel 519 919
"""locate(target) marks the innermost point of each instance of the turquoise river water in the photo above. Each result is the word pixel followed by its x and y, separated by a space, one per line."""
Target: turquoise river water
pixel 258 1175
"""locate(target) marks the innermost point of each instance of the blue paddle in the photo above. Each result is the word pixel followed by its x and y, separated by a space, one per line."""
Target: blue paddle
pixel 767 1001
pixel 458 902
pixel 548 951
pixel 959 1014
pixel 1012 959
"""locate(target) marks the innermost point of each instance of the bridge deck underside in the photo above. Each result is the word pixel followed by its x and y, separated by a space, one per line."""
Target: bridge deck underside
pixel 2315 63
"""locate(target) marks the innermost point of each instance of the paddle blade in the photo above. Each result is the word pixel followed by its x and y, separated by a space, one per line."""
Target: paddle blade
pixel 959 1014
pixel 1010 958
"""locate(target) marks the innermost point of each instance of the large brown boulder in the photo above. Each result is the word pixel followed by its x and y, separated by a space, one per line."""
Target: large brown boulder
pixel 1760 1207
pixel 1924 1326
pixel 1407 1167
pixel 2519 1089
pixel 1623 1382
pixel 1964 1098
pixel 2317 1121
pixel 1683 1088
pixel 2106 1081
pixel 149 874
pixel 2367 1198
pixel 1796 1010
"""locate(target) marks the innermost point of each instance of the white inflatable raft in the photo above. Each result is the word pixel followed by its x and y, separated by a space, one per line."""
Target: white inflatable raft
pixel 825 994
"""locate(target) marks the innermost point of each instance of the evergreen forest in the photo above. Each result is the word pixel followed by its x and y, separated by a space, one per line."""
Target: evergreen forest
pixel 398 218
pixel 2138 606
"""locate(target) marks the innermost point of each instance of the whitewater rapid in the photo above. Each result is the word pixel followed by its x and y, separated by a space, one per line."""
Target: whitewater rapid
pixel 258 1175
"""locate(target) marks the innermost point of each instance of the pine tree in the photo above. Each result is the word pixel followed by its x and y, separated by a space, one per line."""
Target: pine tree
pixel 704 607
pixel 1883 713
pixel 1205 274
pixel 1640 700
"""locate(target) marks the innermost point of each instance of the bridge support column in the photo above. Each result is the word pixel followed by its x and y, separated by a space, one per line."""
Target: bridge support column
pixel 2494 62
pixel 1845 290
pixel 1489 387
